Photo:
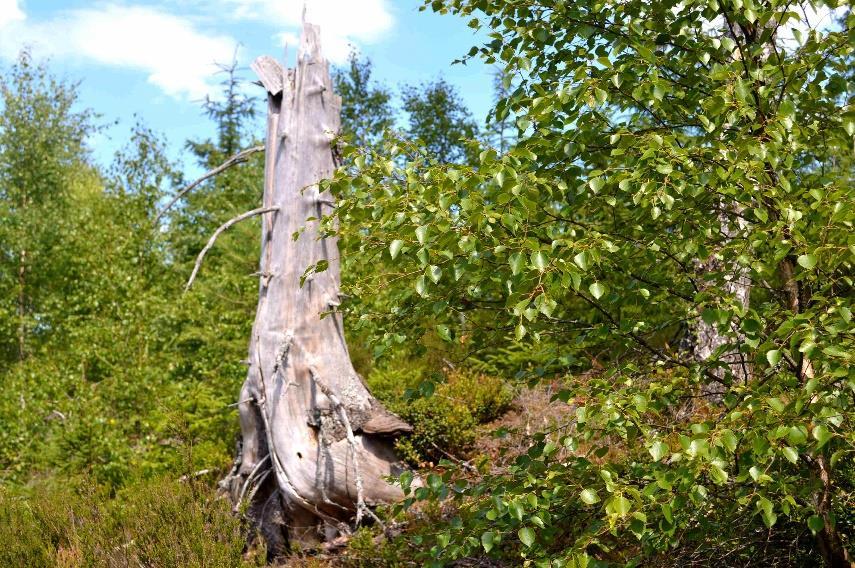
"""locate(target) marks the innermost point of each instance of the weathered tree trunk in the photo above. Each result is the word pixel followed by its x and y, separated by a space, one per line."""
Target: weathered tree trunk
pixel 708 338
pixel 316 445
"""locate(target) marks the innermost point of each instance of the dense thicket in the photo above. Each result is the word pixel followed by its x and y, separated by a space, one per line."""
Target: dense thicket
pixel 672 235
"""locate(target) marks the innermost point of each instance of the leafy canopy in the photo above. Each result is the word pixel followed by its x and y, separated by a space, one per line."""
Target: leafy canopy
pixel 654 138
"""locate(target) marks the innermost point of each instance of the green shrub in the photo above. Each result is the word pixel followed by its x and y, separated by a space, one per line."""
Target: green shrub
pixel 161 523
pixel 444 416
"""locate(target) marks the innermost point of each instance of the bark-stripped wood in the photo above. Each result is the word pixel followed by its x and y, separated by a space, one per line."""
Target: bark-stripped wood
pixel 303 406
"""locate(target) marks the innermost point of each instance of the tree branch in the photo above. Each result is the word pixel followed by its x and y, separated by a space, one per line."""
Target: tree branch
pixel 238 158
pixel 225 226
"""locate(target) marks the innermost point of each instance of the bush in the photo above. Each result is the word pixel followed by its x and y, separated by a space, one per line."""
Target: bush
pixel 444 416
pixel 161 523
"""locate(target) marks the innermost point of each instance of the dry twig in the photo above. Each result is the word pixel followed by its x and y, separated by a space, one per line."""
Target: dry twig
pixel 238 158
pixel 225 226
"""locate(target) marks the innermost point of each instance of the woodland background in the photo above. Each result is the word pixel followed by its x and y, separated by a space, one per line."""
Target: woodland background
pixel 540 380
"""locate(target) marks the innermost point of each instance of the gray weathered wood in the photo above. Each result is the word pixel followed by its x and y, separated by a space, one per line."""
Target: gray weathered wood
pixel 303 404
pixel 270 74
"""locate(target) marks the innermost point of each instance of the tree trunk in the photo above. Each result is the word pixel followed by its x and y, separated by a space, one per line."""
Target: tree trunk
pixel 316 446
pixel 708 339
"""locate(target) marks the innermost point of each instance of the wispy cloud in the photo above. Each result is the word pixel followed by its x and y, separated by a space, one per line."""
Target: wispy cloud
pixel 343 22
pixel 178 57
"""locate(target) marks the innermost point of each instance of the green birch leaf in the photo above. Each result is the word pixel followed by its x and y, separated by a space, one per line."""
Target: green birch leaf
pixel 807 261
pixel 773 356
pixel 589 496
pixel 538 260
pixel 421 234
pixel 791 454
pixel 434 273
pixel 516 262
pixel 659 450
pixel 527 536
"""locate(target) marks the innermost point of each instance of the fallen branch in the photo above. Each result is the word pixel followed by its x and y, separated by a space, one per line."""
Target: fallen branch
pixel 189 476
pixel 225 226
pixel 238 158
pixel 248 481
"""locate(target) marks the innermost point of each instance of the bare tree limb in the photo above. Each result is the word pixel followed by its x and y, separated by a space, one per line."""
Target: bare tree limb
pixel 238 158
pixel 225 226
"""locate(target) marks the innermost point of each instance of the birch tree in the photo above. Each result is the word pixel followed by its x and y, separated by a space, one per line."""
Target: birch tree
pixel 649 139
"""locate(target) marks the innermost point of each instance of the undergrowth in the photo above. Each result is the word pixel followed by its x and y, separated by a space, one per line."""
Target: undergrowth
pixel 444 409
pixel 162 522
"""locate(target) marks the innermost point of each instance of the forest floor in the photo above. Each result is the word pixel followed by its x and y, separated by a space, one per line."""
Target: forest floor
pixel 498 443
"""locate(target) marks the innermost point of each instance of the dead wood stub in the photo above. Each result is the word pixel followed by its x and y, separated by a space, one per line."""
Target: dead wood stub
pixel 304 411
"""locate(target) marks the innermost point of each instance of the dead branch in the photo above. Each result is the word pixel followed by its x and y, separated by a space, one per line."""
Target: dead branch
pixel 238 158
pixel 225 226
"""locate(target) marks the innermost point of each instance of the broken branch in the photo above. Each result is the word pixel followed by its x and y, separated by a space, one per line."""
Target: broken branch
pixel 238 158
pixel 225 226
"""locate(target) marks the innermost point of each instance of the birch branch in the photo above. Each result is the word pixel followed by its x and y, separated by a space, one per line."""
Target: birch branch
pixel 224 227
pixel 238 158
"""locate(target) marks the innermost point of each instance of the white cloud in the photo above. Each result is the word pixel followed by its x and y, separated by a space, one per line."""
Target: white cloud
pixel 343 22
pixel 177 57
pixel 10 11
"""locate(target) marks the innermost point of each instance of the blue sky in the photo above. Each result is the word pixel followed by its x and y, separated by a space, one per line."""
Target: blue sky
pixel 153 60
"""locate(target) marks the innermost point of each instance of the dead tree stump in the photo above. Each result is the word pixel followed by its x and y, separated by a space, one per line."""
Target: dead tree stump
pixel 316 446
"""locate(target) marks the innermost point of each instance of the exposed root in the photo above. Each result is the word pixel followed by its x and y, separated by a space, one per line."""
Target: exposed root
pixel 361 507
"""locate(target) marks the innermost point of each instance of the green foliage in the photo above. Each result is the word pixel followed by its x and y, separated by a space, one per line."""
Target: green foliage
pixel 120 374
pixel 43 168
pixel 366 108
pixel 665 150
pixel 443 410
pixel 157 523
pixel 364 551
pixel 439 119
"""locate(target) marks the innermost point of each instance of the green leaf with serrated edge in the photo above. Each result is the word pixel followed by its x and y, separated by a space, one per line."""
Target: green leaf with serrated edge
pixel 773 356
pixel 395 248
pixel 487 541
pixel 421 234
pixel 659 450
pixel 434 273
pixel 597 290
pixel 527 536
pixel 589 496
pixel 421 286
pixel 821 434
pixel 516 262
pixel 538 260
pixel 443 332
pixel 807 261
pixel 791 454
